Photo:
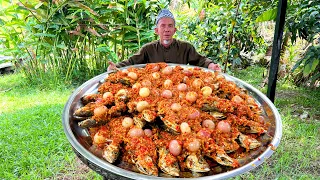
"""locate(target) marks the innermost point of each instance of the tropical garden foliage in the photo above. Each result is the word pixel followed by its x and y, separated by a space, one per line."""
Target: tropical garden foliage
pixel 74 40
pixel 304 22
pixel 64 41
pixel 56 42
pixel 222 29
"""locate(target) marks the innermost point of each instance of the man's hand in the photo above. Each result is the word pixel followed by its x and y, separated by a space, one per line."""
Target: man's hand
pixel 214 67
pixel 112 66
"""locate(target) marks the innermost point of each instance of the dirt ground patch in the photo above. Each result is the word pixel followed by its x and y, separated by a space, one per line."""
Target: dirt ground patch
pixel 75 171
pixel 298 110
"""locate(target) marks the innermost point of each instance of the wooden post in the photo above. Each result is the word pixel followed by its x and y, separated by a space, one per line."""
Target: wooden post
pixel 276 48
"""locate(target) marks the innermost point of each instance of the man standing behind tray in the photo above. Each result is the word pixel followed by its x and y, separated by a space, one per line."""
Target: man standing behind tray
pixel 167 49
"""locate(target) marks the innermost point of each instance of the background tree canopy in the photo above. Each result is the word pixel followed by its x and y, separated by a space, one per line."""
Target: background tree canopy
pixel 72 41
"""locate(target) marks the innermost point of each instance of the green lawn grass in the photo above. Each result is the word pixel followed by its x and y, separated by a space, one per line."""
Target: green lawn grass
pixel 32 140
pixel 34 146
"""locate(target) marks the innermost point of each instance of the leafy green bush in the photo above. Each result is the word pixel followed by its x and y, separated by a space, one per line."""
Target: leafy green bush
pixel 304 21
pixel 221 30
pixel 307 69
pixel 74 40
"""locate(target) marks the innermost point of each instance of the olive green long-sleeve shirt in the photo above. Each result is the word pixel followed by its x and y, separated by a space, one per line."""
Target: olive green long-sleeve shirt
pixel 179 52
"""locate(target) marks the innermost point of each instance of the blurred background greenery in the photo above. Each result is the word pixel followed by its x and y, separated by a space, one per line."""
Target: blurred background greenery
pixel 70 41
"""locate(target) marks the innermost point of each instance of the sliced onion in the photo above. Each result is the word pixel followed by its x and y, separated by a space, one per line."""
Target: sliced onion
pixel 175 147
pixel 166 94
pixel 167 70
pixel 107 95
pixel 191 96
pixel 185 79
pixel 99 100
pixel 204 133
pixel 136 86
pixel 206 91
pixel 197 83
pixel 136 132
pixel 146 83
pixel 144 92
pixel 208 123
pixel 194 114
pixel 133 75
pixel 156 75
pixel 182 87
pixel 125 71
pixel 224 126
pixel 122 92
pixel 155 68
pixel 194 145
pixel 209 80
pixel 142 105
pixel 176 107
pixel 127 122
pixel 219 77
pixel 185 128
pixel 148 132
pixel 167 83
pixel 182 95
pixel 100 111
pixel 237 99
pixel 98 138
pixel 187 72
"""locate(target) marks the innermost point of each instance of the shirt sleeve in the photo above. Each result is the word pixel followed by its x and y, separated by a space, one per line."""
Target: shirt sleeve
pixel 140 57
pixel 194 58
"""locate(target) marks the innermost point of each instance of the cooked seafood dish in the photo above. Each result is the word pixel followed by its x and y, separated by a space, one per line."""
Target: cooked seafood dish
pixel 170 121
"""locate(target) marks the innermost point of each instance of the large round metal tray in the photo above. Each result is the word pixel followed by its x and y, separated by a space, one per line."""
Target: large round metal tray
pixel 80 139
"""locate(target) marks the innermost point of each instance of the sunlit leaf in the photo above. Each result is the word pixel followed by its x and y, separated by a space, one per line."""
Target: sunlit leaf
pixel 38 5
pixel 131 28
pixel 131 37
pixel 131 44
pixel 314 64
pixel 307 70
pixel 297 65
pixel 82 6
pixel 269 15
pixel 115 31
pixel 102 48
pixel 44 35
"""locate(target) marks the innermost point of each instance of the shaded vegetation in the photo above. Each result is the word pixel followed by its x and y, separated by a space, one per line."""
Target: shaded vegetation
pixel 67 41
pixel 72 41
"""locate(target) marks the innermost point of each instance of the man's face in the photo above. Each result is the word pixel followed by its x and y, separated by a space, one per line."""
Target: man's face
pixel 165 29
